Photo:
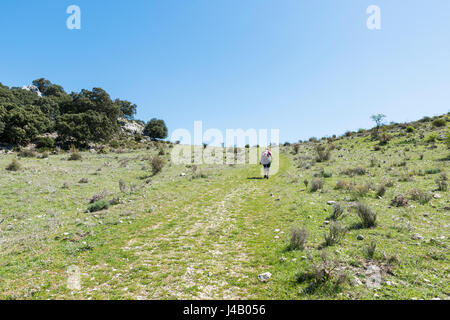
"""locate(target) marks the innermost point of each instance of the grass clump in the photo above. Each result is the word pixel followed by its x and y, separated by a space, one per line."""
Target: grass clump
pixel 366 215
pixel 440 122
pixel 338 212
pixel 298 238
pixel 14 165
pixel 381 190
pixel 316 184
pixel 371 248
pixel 75 155
pixel 336 234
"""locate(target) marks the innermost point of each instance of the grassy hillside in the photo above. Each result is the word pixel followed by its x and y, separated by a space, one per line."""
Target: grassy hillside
pixel 207 232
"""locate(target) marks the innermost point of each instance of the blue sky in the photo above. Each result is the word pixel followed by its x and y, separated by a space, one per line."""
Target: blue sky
pixel 308 68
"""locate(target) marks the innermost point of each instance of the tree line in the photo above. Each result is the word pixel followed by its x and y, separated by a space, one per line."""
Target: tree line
pixel 79 118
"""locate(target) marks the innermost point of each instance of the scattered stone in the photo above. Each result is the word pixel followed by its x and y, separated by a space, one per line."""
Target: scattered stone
pixel 373 277
pixel 417 236
pixel 182 174
pixel 330 203
pixel 355 281
pixel 326 222
pixel 360 237
pixel 277 230
pixel 264 276
pixel 277 237
pixel 437 196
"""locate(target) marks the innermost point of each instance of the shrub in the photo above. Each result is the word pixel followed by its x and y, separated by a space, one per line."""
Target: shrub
pixel 306 182
pixel 336 233
pixel 74 154
pixel 367 216
pixel 357 171
pixel 99 196
pixel 323 153
pixel 410 129
pixel 298 238
pixel 439 122
pixel 419 195
pixel 433 171
pixel 381 190
pixel 316 185
pixel 326 174
pixel 84 180
pixel 323 272
pixel 338 211
pixel 341 184
pixel 157 164
pixel 14 165
pixel 431 138
pixel 26 153
pixel 98 205
pixel 296 148
pixel 384 138
pixel 360 190
pixel 399 201
pixel 45 143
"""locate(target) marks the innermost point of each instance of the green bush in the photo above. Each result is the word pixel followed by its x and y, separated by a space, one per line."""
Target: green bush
pixel 410 129
pixel 45 143
pixel 439 122
pixel 98 206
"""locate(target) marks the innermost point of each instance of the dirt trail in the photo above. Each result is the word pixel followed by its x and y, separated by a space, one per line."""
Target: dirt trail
pixel 204 256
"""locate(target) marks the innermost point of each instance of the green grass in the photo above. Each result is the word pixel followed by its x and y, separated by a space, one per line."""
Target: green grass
pixel 182 237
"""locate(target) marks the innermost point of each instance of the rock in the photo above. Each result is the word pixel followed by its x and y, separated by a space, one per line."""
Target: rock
pixel 182 174
pixel 326 222
pixel 33 89
pixel 426 214
pixel 330 203
pixel 277 237
pixel 437 196
pixel 447 208
pixel 355 281
pixel 264 276
pixel 360 237
pixel 417 236
pixel 277 230
pixel 373 277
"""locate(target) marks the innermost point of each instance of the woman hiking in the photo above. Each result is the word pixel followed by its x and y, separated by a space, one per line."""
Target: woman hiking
pixel 266 161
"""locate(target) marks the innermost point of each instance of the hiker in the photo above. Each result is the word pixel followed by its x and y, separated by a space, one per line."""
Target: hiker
pixel 266 161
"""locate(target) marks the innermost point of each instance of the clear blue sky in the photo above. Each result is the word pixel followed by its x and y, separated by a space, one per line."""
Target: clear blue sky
pixel 309 68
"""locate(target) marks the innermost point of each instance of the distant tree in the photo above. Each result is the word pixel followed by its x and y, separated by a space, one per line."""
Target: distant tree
pixel 42 84
pixel 156 129
pixel 127 108
pixel 378 119
pixel 91 116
